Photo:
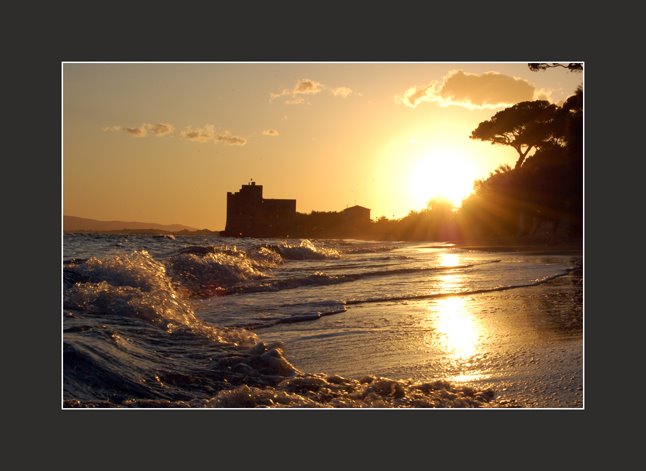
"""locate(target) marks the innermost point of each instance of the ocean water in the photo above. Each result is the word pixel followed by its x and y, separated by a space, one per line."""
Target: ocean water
pixel 204 321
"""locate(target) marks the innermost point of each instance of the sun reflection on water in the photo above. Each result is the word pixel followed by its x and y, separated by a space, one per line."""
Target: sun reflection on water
pixel 448 259
pixel 458 332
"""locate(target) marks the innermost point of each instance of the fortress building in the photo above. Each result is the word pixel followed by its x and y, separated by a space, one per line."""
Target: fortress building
pixel 251 215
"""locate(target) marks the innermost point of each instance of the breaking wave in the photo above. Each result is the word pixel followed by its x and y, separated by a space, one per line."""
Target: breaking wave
pixel 305 250
pixel 320 391
pixel 136 286
pixel 210 272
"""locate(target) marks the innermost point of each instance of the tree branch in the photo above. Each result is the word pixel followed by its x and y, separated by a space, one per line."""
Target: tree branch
pixel 521 159
pixel 572 66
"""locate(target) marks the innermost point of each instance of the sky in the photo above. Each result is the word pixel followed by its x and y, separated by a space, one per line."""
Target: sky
pixel 165 142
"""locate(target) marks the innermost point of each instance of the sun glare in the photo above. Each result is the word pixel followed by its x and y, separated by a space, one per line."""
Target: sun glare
pixel 445 174
pixel 456 327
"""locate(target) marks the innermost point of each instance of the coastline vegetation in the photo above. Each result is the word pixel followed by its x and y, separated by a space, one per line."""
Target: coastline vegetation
pixel 539 200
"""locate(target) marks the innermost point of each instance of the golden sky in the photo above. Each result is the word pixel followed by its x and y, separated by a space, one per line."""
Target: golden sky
pixel 165 142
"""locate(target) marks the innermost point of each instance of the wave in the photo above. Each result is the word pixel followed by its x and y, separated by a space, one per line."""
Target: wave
pixel 292 313
pixel 466 292
pixel 164 236
pixel 136 286
pixel 301 312
pixel 305 250
pixel 320 278
pixel 202 271
pixel 324 391
pixel 216 270
pixel 131 340
pixel 211 273
pixel 351 249
pixel 129 333
pixel 258 256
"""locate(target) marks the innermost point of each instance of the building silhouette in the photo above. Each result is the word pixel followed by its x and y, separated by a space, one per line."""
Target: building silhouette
pixel 357 215
pixel 251 215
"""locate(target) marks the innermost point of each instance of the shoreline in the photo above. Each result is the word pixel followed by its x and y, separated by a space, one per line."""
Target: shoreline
pixel 527 343
pixel 570 247
pixel 529 249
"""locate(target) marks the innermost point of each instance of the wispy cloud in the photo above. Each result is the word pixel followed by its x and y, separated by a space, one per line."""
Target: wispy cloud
pixel 307 87
pixel 227 138
pixel 208 133
pixel 473 91
pixel 302 87
pixel 295 101
pixel 155 129
pixel 160 129
pixel 137 132
pixel 270 132
pixel 204 134
pixel 342 92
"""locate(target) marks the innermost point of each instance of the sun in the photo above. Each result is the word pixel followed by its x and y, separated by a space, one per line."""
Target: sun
pixel 440 173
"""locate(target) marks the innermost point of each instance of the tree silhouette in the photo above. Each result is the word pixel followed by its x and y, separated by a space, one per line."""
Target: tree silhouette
pixel 541 199
pixel 525 126
pixel 572 66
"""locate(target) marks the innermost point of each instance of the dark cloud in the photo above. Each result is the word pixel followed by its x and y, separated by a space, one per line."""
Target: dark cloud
pixel 473 91
pixel 270 132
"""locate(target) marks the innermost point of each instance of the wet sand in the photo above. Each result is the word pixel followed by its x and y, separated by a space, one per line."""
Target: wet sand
pixel 526 344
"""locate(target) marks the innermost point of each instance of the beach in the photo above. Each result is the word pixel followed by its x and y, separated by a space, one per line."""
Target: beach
pixel 204 321
pixel 525 344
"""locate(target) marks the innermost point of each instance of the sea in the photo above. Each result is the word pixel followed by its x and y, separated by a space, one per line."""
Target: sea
pixel 203 321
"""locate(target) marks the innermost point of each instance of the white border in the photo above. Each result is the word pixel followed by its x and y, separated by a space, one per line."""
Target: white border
pixel 582 408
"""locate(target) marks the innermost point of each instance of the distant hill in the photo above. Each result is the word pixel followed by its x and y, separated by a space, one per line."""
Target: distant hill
pixel 76 224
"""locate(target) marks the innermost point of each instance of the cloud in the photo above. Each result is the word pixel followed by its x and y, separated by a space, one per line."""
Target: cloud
pixel 543 94
pixel 209 134
pixel 204 134
pixel 137 132
pixel 342 92
pixel 308 87
pixel 473 91
pixel 134 132
pixel 157 129
pixel 270 132
pixel 160 129
pixel 295 101
pixel 227 138
pixel 112 128
pixel 304 87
